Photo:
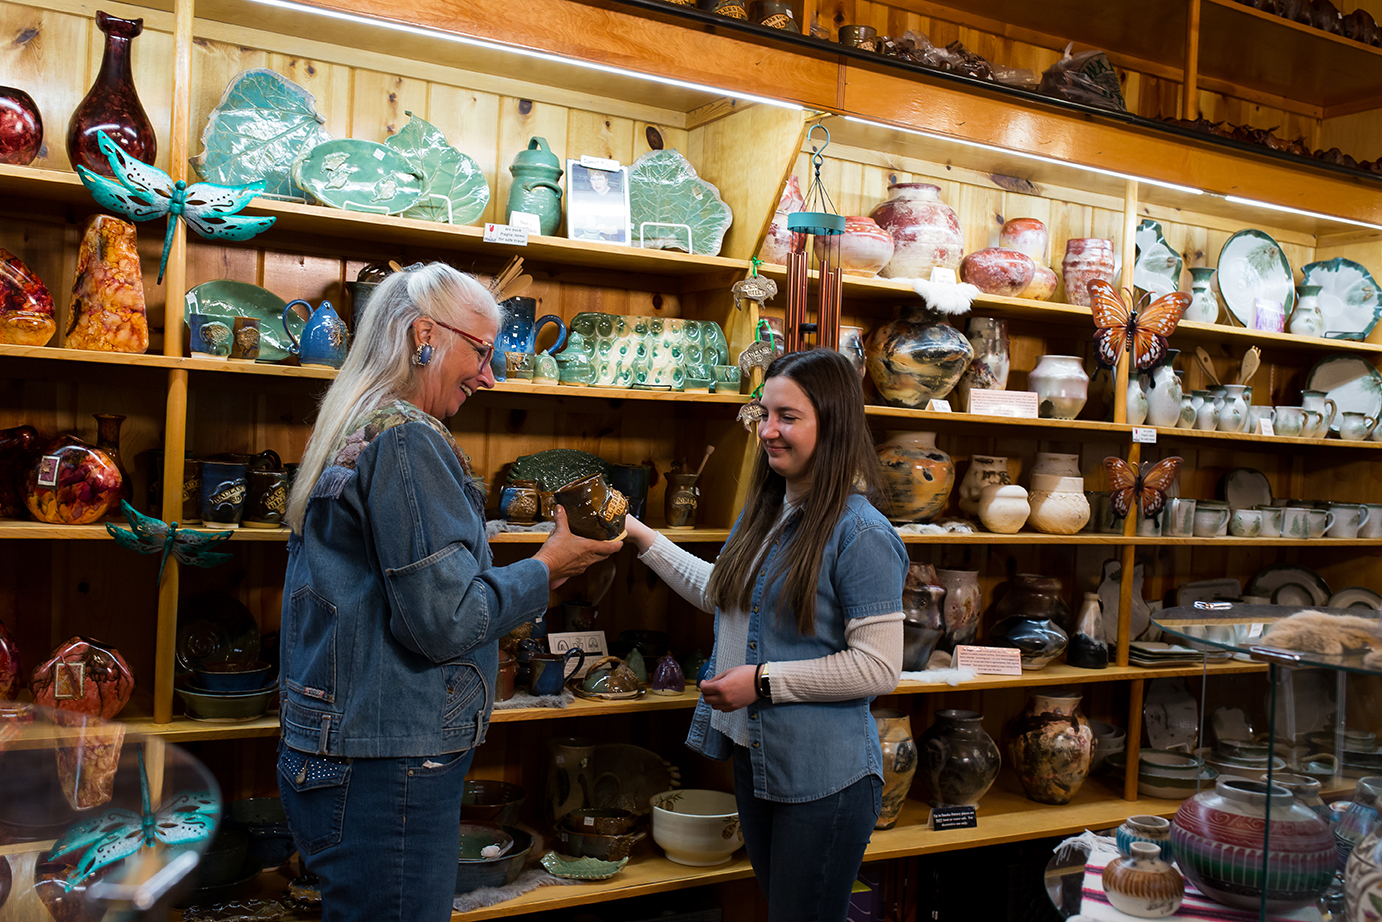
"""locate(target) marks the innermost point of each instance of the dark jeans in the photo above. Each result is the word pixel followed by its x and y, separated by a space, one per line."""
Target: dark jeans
pixel 806 856
pixel 382 834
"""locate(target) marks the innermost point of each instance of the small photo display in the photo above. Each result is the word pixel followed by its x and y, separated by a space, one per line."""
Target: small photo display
pixel 597 203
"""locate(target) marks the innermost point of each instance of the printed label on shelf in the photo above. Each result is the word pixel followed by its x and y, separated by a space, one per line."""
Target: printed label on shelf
pixel 592 642
pixel 1265 427
pixel 1144 434
pixel 989 660
pixel 48 471
pixel 943 275
pixel 1271 316
pixel 1014 404
pixel 599 163
pixel 938 405
pixel 506 233
pixel 525 220
pixel 959 817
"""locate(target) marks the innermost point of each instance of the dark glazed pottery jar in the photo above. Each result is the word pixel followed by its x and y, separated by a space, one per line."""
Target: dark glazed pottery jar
pixel 21 127
pixel 923 624
pixel 959 761
pixel 18 449
pixel 108 440
pixel 1030 617
pixel 11 667
pixel 1050 745
pixel 593 508
pixel 112 105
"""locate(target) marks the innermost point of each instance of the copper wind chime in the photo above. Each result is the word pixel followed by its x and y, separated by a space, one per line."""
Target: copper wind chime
pixel 817 219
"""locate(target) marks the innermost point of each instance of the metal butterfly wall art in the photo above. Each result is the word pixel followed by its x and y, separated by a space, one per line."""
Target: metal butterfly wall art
pixel 145 192
pixel 1126 328
pixel 1147 487
pixel 149 535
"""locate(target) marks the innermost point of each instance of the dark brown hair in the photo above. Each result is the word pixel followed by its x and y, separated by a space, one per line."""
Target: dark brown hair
pixel 844 463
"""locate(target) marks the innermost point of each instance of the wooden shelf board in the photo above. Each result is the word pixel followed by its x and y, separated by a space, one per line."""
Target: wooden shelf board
pixel 1063 674
pixel 611 393
pixel 1028 537
pixel 1263 441
pixel 12 529
pixel 1190 331
pixel 677 536
pixel 978 421
pixel 180 730
pixel 162 361
pixel 584 707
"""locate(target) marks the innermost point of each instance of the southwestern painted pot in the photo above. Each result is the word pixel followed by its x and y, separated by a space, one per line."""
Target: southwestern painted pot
pixel 923 624
pixel 1217 838
pixel 916 358
pixel 864 247
pixel 925 231
pixel 899 763
pixel 958 760
pixel 996 271
pixel 1050 745
pixel 917 476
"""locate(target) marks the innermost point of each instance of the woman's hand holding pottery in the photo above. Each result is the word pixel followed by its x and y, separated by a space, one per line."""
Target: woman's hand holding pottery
pixel 732 689
pixel 567 555
pixel 641 535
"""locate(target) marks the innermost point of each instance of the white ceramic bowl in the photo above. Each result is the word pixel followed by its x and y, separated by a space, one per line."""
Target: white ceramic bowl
pixel 695 827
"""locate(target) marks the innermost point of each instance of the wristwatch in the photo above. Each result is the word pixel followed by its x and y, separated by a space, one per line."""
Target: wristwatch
pixel 765 689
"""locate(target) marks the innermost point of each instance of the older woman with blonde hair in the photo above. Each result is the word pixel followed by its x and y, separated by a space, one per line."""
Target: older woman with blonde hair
pixel 392 610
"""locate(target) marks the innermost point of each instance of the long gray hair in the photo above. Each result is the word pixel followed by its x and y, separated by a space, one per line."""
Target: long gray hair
pixel 379 366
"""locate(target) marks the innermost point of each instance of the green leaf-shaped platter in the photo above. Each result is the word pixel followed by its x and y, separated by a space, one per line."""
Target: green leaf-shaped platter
pixel 454 190
pixel 665 190
pixel 581 868
pixel 361 176
pixel 229 298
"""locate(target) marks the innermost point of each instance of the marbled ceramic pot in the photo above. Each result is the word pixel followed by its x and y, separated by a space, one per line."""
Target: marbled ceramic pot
pixel 1050 745
pixel 923 623
pixel 1025 235
pixel 917 476
pixel 963 603
pixel 1086 259
pixel 958 760
pixel 864 247
pixel 925 230
pixel 899 763
pixel 996 271
pixel 916 358
pixel 1032 615
pixel 777 242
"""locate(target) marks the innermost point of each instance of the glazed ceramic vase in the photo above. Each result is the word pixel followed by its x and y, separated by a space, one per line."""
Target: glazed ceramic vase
pixel 1087 648
pixel 1050 745
pixel 112 105
pixel 925 231
pixel 11 666
pixel 1217 837
pixel 917 476
pixel 1061 386
pixel 958 760
pixel 72 483
pixel 983 470
pixel 1233 413
pixel 1058 504
pixel 1029 617
pixel 988 370
pixel 668 679
pixel 1305 319
pixel 26 306
pixel 777 242
pixel 106 313
pixel 1137 400
pixel 569 779
pixel 1142 884
pixel 1154 830
pixel 865 247
pixel 1086 259
pixel 1003 508
pixel 1163 394
pixel 963 605
pixel 899 763
pixel 21 127
pixel 1204 306
pixel 917 357
pixel 923 623
pixel 681 501
pixel 851 346
pixel 535 190
pixel 19 448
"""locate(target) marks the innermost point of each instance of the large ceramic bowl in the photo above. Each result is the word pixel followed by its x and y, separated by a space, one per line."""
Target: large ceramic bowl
pixel 224 706
pixel 595 845
pixel 695 827
pixel 491 801
pixel 474 870
pixel 233 676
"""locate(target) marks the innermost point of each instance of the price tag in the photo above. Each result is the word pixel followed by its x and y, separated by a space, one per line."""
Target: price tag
pixel 48 471
pixel 958 817
pixel 506 233
pixel 1013 404
pixel 1146 435
pixel 938 405
pixel 943 275
pixel 525 220
pixel 591 642
pixel 989 660
pixel 599 163
pixel 1265 427
pixel 1271 316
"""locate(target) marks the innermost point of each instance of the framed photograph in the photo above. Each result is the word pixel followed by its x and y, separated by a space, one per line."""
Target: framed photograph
pixel 597 203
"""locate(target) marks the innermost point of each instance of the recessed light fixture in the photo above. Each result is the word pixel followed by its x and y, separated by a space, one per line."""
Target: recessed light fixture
pixel 1238 200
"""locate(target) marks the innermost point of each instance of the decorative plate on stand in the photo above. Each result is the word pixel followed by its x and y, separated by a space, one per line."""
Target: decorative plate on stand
pixel 1252 266
pixel 1349 303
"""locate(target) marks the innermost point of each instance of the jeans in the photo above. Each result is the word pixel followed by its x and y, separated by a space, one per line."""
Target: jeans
pixel 382 834
pixel 806 856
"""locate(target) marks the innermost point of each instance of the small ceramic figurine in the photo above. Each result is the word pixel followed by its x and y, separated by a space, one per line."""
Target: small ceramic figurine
pixel 668 678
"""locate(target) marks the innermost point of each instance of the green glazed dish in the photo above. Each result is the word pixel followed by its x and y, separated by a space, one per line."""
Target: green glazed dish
pixel 581 868
pixel 228 298
pixel 361 176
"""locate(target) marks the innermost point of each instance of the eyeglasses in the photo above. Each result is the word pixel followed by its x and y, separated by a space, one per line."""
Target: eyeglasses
pixel 488 346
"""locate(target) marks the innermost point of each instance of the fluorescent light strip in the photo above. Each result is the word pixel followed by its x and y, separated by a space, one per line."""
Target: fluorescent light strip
pixel 525 52
pixel 1189 190
pixel 1300 211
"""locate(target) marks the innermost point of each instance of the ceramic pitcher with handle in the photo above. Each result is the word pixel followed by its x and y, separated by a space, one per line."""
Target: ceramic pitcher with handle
pixel 1319 402
pixel 323 340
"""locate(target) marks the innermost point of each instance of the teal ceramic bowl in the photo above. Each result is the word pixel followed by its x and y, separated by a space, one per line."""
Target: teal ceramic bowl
pixel 228 298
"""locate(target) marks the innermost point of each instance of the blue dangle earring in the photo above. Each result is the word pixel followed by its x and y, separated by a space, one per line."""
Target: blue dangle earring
pixel 423 355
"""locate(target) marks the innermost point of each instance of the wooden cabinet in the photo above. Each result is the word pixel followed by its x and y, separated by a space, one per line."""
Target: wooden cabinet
pixel 572 76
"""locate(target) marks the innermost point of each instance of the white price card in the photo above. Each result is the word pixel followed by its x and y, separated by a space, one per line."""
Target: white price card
pixel 591 642
pixel 506 233
pixel 989 660
pixel 1266 427
pixel 1016 404
pixel 525 220
pixel 1146 435
pixel 599 163
pixel 938 405
pixel 943 275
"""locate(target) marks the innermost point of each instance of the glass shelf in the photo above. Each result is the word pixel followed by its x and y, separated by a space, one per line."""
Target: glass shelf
pixel 1211 623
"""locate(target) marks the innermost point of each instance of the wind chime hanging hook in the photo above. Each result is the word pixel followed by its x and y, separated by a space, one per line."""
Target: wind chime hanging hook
pixel 819 219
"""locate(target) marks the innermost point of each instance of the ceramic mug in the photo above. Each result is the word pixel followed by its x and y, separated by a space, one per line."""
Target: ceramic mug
pixel 1245 523
pixel 1211 519
pixel 547 671
pixel 697 378
pixel 594 509
pixel 1256 415
pixel 726 379
pixel 1356 427
pixel 266 499
pixel 1321 520
pixel 1151 526
pixel 1372 528
pixel 1315 427
pixel 1180 517
pixel 1349 519
pixel 210 335
pixel 632 480
pixel 191 488
pixel 224 486
pixel 1289 422
pixel 1272 517
pixel 519 365
pixel 244 340
pixel 1295 522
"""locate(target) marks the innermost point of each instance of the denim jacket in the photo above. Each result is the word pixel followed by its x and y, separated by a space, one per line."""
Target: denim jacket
pixel 805 751
pixel 391 610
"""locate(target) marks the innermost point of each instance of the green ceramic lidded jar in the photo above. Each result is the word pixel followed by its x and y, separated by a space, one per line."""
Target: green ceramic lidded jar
pixel 535 190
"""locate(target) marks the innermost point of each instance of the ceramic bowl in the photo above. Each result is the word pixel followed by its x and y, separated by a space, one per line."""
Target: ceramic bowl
pixel 594 845
pixel 234 677
pixel 606 821
pixel 1171 775
pixel 225 706
pixel 1105 734
pixel 474 871
pixel 698 828
pixel 1323 740
pixel 1243 750
pixel 486 801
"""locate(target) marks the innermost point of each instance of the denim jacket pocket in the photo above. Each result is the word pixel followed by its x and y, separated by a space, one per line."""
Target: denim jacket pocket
pixel 311 671
pixel 314 797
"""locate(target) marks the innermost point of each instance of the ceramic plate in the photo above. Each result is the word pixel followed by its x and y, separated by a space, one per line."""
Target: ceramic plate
pixel 215 628
pixel 665 190
pixel 1251 266
pixel 1243 488
pixel 627 777
pixel 1351 382
pixel 230 298
pixel 1287 584
pixel 1171 715
pixel 1158 267
pixel 356 175
pixel 1207 590
pixel 1349 304
pixel 581 868
pixel 1356 597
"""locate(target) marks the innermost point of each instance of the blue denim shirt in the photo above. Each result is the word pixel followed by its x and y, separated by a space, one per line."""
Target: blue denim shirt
pixel 391 610
pixel 805 751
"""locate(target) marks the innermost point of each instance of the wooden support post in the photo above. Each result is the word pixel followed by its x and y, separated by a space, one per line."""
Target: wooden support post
pixel 1189 87
pixel 1134 743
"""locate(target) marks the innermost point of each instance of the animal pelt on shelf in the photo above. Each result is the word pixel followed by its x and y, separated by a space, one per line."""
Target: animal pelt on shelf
pixel 1331 635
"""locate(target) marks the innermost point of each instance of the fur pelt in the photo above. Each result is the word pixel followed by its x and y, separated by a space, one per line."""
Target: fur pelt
pixel 1331 635
pixel 944 298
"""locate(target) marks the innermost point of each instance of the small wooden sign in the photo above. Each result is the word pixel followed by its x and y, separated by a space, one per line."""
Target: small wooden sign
pixel 989 660
pixel 958 817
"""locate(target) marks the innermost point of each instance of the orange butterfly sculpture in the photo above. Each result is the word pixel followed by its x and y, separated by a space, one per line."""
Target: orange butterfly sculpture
pixel 1148 487
pixel 1143 332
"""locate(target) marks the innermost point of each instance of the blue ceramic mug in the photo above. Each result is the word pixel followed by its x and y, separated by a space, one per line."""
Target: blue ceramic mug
pixel 518 332
pixel 210 335
pixel 223 493
pixel 323 341
pixel 547 671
